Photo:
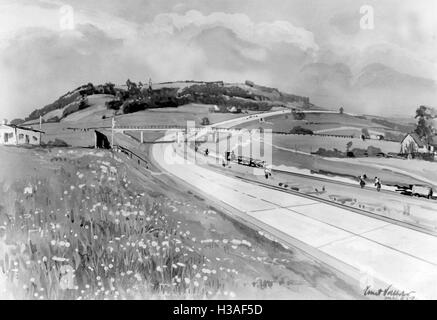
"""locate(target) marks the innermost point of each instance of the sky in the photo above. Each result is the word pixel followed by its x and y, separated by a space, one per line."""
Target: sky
pixel 335 52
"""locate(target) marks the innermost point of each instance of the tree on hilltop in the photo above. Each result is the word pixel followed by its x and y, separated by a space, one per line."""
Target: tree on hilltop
pixel 424 128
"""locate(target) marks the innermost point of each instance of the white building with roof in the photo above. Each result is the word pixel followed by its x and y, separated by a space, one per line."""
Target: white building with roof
pixel 17 135
pixel 413 144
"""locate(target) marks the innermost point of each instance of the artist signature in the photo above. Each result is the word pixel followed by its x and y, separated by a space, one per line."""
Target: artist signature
pixel 389 293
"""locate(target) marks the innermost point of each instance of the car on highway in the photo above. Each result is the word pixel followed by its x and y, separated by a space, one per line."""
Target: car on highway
pixel 422 191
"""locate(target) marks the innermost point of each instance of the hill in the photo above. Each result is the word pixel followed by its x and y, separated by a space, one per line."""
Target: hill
pixel 133 97
pixel 70 102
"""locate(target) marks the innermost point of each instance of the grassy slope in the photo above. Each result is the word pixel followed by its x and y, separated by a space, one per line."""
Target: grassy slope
pixel 85 232
pixel 177 116
pixel 284 146
pixel 196 234
pixel 315 122
pixel 96 109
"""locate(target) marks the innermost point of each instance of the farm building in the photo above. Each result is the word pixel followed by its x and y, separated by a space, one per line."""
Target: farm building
pixel 16 135
pixel 215 108
pixel 234 109
pixel 413 144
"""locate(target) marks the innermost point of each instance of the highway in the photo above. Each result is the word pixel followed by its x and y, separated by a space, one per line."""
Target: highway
pixel 367 249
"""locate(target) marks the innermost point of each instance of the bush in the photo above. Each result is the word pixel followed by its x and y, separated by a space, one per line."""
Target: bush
pixel 166 103
pixel 217 89
pixel 359 153
pixel 57 143
pixel 365 133
pixel 300 130
pixel 369 152
pixel 205 122
pixel 114 104
pixel 373 151
pixel 298 115
pixel 354 153
pixel 248 104
pixel 134 106
pixel 330 153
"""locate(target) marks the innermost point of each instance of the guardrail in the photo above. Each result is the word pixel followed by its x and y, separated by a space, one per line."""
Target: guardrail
pixel 314 135
pixel 151 127
pixel 131 154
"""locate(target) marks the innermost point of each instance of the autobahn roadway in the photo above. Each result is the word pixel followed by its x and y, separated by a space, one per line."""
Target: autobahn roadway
pixel 372 251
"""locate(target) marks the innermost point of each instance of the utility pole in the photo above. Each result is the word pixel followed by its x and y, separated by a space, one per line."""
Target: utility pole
pixel 112 132
pixel 40 122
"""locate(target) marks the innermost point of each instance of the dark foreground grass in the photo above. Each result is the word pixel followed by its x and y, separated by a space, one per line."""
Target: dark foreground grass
pixel 91 237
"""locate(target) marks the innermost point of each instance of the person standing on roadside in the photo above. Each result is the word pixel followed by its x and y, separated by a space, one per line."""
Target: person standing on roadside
pixel 362 180
pixel 377 184
pixel 267 171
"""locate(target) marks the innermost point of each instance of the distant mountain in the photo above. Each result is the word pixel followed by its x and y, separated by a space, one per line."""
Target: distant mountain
pixel 375 89
pixel 323 75
pixel 381 89
pixel 379 76
pixel 338 72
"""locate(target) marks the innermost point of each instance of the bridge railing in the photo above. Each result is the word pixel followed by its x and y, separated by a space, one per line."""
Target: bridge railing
pixel 157 126
pixel 131 155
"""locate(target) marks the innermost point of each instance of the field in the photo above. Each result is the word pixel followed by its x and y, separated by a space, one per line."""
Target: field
pixel 424 170
pixel 96 110
pixel 295 151
pixel 81 137
pixel 331 124
pixel 351 168
pixel 85 224
pixel 391 171
pixel 311 143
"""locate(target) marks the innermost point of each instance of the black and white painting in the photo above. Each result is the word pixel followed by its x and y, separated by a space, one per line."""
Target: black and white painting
pixel 218 150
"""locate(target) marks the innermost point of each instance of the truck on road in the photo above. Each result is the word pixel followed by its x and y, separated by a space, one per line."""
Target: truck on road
pixel 422 191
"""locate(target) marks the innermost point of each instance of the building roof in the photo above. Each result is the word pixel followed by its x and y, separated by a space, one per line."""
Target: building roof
pixel 420 142
pixel 416 139
pixel 20 127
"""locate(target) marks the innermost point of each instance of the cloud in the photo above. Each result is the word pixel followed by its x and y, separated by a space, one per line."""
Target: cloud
pixel 346 22
pixel 40 64
pixel 268 42
pixel 263 33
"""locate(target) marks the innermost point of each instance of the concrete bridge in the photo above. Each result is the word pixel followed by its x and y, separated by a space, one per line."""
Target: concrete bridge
pixel 183 132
